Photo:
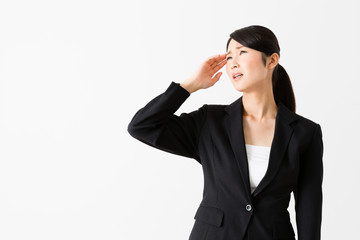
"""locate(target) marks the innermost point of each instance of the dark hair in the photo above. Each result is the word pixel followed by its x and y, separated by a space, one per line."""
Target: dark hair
pixel 264 40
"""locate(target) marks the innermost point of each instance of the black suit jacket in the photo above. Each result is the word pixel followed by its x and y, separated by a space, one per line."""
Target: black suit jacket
pixel 213 136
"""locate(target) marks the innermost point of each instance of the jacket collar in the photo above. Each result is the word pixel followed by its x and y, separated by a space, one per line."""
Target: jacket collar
pixel 283 131
pixel 286 113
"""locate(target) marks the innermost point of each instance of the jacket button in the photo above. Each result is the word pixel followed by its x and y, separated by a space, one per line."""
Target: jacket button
pixel 248 207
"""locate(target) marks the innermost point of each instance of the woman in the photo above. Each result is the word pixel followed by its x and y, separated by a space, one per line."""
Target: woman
pixel 254 152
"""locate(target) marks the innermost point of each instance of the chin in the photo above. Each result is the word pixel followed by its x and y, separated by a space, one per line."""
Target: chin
pixel 238 86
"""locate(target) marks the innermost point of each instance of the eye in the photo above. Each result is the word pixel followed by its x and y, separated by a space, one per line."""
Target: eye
pixel 240 54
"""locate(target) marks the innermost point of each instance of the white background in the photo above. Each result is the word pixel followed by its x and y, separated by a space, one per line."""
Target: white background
pixel 73 73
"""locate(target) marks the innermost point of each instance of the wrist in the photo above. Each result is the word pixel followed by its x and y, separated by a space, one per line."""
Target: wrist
pixel 188 87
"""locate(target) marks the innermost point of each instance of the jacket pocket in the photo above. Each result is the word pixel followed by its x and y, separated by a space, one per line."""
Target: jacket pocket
pixel 283 231
pixel 209 214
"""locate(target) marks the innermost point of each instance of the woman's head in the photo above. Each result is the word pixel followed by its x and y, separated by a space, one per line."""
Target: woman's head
pixel 254 52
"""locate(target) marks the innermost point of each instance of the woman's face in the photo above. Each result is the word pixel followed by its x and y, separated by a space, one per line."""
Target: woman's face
pixel 248 62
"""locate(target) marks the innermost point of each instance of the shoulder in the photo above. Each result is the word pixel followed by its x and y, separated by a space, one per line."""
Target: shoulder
pixel 216 109
pixel 305 124
pixel 305 131
pixel 296 120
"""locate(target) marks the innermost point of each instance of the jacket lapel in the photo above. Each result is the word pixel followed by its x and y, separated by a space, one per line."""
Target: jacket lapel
pixel 283 131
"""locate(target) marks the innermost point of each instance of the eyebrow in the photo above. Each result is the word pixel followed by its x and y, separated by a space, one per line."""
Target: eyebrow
pixel 235 48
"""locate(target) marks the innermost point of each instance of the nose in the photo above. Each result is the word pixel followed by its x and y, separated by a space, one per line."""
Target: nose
pixel 234 65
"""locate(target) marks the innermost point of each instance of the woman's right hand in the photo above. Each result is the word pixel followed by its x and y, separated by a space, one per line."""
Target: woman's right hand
pixel 203 77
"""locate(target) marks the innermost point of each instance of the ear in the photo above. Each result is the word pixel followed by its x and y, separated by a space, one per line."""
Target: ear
pixel 273 60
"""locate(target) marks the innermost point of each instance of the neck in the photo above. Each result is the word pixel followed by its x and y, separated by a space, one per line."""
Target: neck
pixel 259 105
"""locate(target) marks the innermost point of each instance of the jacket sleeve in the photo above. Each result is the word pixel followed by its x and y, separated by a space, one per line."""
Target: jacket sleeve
pixel 156 124
pixel 308 193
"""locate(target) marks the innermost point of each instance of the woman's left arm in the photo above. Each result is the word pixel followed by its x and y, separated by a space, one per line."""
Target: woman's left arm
pixel 308 193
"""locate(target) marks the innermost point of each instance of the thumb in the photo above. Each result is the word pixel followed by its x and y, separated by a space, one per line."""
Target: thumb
pixel 217 76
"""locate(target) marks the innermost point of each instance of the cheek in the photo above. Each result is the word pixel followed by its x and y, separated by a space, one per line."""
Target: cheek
pixel 228 71
pixel 254 64
pixel 227 66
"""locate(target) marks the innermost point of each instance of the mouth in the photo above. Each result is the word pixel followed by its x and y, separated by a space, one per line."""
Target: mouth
pixel 237 76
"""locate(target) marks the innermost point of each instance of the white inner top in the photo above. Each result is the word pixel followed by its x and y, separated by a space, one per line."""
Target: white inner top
pixel 258 160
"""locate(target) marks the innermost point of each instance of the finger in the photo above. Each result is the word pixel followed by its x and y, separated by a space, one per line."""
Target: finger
pixel 221 63
pixel 218 67
pixel 216 59
pixel 217 77
pixel 219 60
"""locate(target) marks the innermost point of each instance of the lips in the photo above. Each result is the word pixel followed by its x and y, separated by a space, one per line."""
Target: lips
pixel 237 75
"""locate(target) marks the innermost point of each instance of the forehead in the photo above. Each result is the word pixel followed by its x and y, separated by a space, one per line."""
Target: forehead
pixel 233 46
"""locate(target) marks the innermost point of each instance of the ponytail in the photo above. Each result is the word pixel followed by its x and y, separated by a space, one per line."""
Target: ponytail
pixel 282 88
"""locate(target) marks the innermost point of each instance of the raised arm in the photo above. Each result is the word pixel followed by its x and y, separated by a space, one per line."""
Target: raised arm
pixel 308 194
pixel 156 124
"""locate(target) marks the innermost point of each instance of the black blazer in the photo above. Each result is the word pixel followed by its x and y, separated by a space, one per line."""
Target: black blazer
pixel 213 136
